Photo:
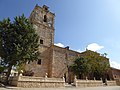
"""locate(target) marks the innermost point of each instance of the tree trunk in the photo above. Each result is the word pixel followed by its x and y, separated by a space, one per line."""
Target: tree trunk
pixel 8 73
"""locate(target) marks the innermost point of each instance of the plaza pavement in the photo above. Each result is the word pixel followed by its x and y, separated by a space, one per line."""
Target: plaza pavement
pixel 66 88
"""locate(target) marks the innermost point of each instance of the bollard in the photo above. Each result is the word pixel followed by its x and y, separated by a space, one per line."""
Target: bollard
pixel 46 75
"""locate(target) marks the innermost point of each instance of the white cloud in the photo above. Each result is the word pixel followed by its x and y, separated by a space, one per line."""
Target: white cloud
pixel 94 47
pixel 59 44
pixel 114 64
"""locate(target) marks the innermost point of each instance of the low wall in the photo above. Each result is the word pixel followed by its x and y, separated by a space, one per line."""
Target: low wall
pixel 2 79
pixel 37 82
pixel 88 83
pixel 13 80
pixel 94 83
pixel 111 83
pixel 118 82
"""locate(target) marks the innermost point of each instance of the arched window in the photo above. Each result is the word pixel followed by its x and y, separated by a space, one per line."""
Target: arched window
pixel 45 18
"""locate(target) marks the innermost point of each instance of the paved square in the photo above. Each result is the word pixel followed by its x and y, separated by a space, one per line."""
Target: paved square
pixel 66 88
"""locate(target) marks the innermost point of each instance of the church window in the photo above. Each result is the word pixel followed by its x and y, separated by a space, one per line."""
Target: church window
pixel 45 18
pixel 39 62
pixel 41 41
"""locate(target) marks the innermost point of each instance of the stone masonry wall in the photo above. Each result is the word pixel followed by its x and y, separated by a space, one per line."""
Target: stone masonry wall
pixel 93 83
pixel 38 82
pixel 118 82
pixel 41 70
pixel 88 83
pixel 62 59
pixel 59 63
pixel 45 31
pixel 111 83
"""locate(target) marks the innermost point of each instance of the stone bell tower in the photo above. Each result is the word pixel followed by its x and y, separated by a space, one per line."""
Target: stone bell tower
pixel 43 22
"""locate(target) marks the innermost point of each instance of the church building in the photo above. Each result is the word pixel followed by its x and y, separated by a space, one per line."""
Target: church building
pixel 53 60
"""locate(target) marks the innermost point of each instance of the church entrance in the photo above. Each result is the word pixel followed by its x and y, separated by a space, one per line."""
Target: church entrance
pixel 69 77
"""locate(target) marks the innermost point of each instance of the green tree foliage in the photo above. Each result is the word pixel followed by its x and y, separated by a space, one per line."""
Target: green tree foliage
pixel 80 67
pixel 18 42
pixel 2 66
pixel 96 64
pixel 20 68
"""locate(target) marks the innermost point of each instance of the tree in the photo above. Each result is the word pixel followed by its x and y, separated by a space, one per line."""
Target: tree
pixel 20 68
pixel 18 42
pixel 80 67
pixel 99 64
pixel 91 64
pixel 2 66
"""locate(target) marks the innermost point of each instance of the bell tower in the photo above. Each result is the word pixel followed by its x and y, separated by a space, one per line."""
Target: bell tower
pixel 43 22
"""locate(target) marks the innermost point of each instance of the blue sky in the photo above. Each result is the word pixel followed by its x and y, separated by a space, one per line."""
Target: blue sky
pixel 80 24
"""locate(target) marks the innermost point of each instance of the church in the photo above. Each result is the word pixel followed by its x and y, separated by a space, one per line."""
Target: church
pixel 53 60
